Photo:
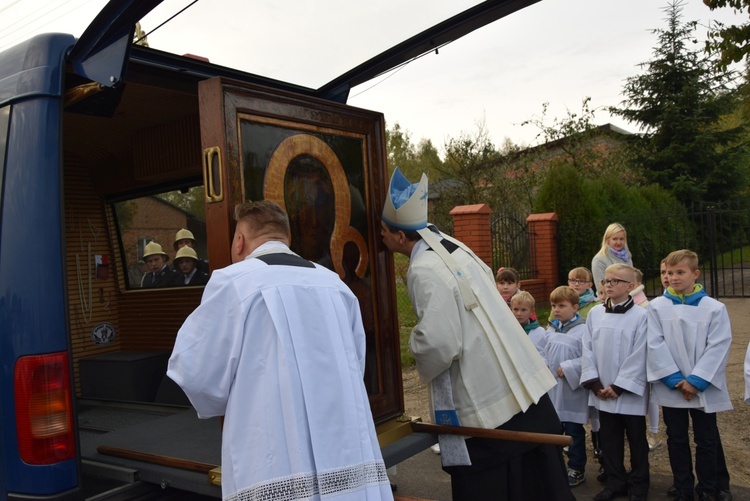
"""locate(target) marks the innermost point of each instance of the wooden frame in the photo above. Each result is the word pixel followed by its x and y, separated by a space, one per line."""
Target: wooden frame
pixel 326 164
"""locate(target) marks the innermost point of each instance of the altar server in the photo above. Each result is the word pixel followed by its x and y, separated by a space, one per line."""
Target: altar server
pixel 278 348
pixel 689 336
pixel 614 368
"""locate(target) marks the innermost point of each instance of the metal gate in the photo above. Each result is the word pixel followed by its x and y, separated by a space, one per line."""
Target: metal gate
pixel 510 244
pixel 719 233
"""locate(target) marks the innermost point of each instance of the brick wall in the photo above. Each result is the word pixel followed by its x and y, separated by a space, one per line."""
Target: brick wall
pixel 471 225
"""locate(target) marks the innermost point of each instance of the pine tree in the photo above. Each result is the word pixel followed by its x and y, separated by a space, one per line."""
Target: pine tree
pixel 678 103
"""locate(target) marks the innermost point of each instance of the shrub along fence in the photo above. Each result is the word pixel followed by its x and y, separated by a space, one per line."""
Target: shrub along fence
pixel 718 233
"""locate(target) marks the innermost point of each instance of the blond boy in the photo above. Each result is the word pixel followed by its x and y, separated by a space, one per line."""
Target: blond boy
pixel 523 307
pixel 614 369
pixel 689 336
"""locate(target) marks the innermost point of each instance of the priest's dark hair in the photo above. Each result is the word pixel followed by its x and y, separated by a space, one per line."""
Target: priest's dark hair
pixel 263 214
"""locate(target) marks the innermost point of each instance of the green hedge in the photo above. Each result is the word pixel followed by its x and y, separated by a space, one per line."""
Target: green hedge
pixel 655 221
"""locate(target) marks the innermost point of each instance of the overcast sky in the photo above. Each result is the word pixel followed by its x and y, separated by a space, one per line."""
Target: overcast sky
pixel 555 51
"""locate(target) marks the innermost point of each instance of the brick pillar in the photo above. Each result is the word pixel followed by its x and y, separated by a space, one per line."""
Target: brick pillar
pixel 471 225
pixel 543 244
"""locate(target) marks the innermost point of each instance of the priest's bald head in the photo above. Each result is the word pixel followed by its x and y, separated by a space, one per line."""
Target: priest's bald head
pixel 258 223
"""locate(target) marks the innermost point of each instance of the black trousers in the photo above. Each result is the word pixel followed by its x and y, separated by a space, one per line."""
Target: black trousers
pixel 515 471
pixel 612 432
pixel 710 464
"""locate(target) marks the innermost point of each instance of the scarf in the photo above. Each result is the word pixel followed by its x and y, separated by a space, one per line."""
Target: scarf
pixel 586 298
pixel 622 254
pixel 691 299
pixel 576 320
pixel 533 324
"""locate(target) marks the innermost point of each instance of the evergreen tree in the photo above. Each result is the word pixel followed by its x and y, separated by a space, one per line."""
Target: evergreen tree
pixel 678 103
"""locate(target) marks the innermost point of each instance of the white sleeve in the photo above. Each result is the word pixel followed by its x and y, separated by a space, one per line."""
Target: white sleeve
pixel 207 348
pixel 711 364
pixel 572 367
pixel 436 340
pixel 659 360
pixel 589 370
pixel 632 374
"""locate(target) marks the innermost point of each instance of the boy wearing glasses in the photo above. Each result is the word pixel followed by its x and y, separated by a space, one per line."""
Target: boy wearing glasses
pixel 689 336
pixel 614 369
pixel 581 281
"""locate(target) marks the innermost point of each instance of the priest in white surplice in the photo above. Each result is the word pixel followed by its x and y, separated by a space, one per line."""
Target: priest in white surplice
pixel 278 348
pixel 481 368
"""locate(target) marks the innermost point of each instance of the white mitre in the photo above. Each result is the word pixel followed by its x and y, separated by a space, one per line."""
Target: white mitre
pixel 406 204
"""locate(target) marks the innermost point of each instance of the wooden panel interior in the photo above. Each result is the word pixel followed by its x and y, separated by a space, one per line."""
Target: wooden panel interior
pixel 91 300
pixel 151 143
pixel 151 318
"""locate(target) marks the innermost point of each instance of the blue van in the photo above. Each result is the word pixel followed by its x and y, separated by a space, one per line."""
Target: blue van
pixel 110 149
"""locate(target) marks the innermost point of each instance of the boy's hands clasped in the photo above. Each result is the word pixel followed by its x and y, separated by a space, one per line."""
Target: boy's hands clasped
pixel 607 393
pixel 688 390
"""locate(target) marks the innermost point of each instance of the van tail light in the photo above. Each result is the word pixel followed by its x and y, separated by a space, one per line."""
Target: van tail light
pixel 44 409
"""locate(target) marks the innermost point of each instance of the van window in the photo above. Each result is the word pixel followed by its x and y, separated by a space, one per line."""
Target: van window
pixel 152 231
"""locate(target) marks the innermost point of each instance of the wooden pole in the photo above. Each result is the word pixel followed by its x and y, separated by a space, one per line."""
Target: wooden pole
pixel 517 436
pixel 147 457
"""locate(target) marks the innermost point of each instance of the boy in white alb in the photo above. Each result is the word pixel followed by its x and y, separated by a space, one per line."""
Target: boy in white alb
pixel 522 305
pixel 614 369
pixel 562 353
pixel 689 336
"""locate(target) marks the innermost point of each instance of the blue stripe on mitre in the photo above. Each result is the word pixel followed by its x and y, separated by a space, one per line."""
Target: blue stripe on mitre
pixel 400 189
pixel 402 226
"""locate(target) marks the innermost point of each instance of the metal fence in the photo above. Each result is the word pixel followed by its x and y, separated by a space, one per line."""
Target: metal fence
pixel 719 233
pixel 510 243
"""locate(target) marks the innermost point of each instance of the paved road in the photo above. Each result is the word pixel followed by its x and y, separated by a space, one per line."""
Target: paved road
pixel 422 477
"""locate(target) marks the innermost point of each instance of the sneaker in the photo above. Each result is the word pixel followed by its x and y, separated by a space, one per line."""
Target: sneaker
pixel 597 453
pixel 436 448
pixel 575 478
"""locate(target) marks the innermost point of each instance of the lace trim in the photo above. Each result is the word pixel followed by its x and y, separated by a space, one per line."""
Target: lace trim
pixel 306 485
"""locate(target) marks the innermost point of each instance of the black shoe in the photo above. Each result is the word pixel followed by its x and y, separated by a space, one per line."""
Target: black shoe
pixel 673 492
pixel 602 476
pixel 705 496
pixel 608 494
pixel 724 496
pixel 638 497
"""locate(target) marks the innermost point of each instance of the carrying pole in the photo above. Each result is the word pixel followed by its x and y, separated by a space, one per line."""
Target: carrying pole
pixel 516 436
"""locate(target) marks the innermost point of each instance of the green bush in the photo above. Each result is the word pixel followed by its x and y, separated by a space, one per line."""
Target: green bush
pixel 655 221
